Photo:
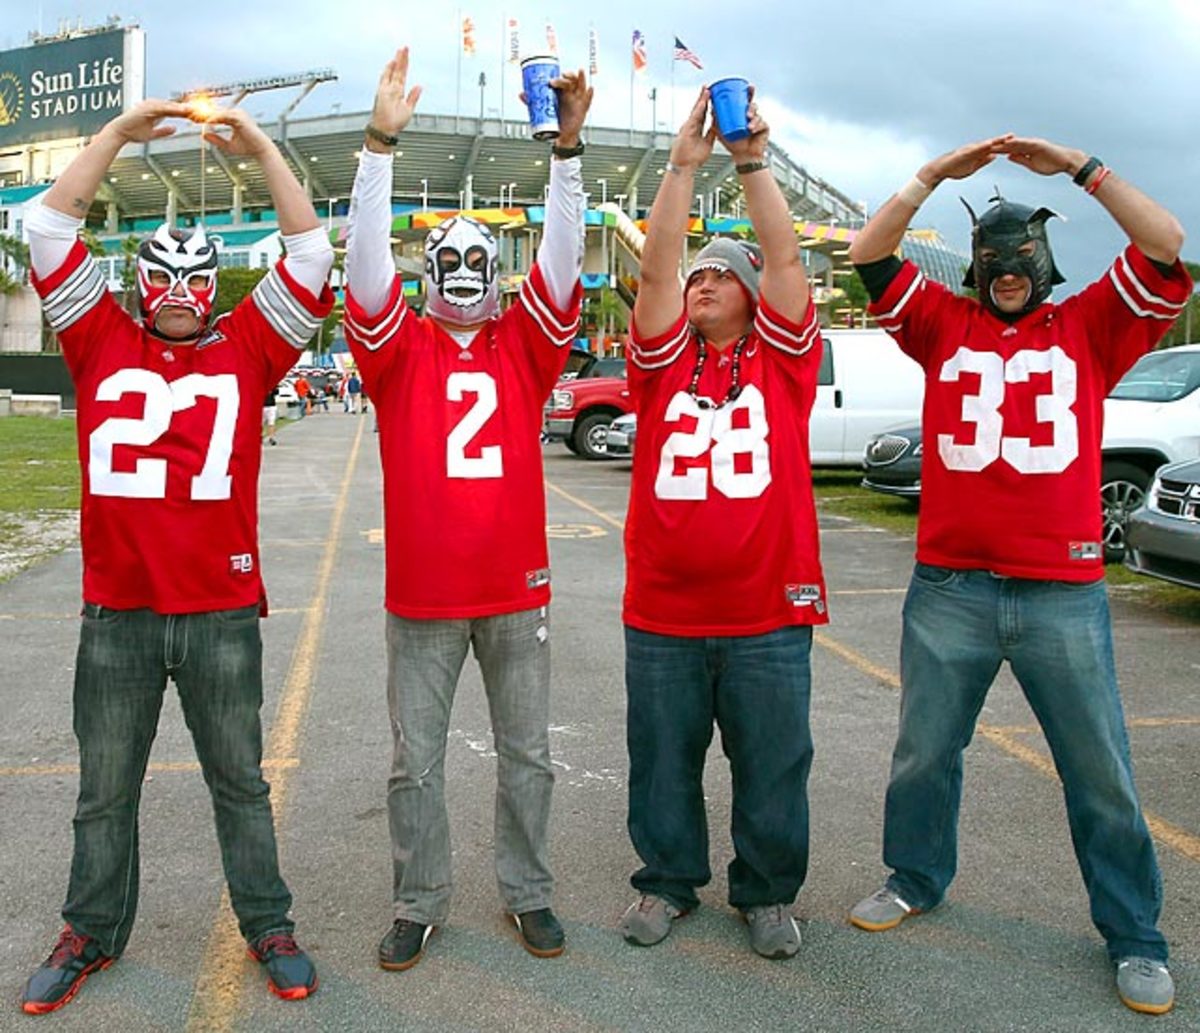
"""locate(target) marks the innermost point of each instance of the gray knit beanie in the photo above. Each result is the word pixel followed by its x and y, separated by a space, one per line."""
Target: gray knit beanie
pixel 739 257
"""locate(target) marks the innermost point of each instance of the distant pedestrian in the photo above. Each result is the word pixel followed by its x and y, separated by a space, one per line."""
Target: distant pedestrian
pixel 354 393
pixel 303 395
pixel 271 414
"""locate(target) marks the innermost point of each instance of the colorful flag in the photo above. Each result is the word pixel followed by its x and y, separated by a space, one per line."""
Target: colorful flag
pixel 514 44
pixel 551 39
pixel 683 54
pixel 639 51
pixel 468 36
pixel 593 52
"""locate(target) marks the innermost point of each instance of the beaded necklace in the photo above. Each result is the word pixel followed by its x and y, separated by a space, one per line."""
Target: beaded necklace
pixel 735 387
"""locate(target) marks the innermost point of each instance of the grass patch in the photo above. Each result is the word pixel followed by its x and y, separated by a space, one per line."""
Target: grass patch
pixel 39 464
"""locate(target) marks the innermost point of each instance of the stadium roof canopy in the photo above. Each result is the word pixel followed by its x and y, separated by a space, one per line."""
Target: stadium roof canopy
pixel 443 161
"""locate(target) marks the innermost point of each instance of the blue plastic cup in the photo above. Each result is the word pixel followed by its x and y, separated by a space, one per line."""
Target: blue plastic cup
pixel 731 107
pixel 540 96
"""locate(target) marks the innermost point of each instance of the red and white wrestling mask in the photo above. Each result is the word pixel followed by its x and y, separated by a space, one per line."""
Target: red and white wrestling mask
pixel 175 267
pixel 461 272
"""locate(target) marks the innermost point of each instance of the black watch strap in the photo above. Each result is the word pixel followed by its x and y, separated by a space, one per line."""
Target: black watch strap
pixel 378 134
pixel 567 152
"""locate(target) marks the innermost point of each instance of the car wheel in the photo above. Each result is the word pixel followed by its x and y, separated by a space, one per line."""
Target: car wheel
pixel 1122 489
pixel 591 436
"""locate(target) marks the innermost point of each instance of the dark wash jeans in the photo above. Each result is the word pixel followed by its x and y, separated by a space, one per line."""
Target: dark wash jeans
pixel 756 689
pixel 959 626
pixel 124 660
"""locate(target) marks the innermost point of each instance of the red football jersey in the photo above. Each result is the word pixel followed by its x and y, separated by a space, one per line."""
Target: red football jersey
pixel 460 441
pixel 721 537
pixel 170 439
pixel 1013 414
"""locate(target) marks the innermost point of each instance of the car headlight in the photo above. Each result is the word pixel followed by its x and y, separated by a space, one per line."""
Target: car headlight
pixel 1152 495
pixel 563 400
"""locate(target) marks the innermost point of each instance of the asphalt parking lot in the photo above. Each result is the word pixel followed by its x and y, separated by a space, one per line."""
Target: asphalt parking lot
pixel 1012 949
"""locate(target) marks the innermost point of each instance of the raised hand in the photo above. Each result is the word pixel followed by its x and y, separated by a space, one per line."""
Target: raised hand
pixel 574 99
pixel 964 161
pixel 140 124
pixel 1042 156
pixel 246 137
pixel 394 107
pixel 693 145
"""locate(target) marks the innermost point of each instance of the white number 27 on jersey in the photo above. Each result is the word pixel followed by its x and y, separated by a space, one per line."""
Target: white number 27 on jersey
pixel 148 478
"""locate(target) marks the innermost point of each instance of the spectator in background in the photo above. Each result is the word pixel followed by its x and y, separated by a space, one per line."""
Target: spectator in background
pixel 271 414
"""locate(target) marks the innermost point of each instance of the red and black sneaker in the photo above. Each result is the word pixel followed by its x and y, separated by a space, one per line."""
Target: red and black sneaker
pixel 290 974
pixel 74 958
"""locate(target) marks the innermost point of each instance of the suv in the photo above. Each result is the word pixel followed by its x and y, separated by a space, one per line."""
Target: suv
pixel 580 409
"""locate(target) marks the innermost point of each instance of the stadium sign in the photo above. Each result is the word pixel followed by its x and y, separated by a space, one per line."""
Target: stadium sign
pixel 69 87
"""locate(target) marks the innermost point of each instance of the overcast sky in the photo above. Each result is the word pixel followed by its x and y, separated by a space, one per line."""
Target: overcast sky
pixel 860 92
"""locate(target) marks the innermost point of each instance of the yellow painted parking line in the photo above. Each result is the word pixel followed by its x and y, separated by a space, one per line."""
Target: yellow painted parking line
pixel 219 985
pixel 1004 737
pixel 161 767
pixel 587 507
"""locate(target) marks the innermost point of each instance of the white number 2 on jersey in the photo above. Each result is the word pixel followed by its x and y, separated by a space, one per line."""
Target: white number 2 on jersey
pixel 715 434
pixel 148 479
pixel 489 462
pixel 983 410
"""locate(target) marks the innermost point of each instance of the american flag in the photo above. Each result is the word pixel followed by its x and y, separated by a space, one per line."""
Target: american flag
pixel 468 36
pixel 683 54
pixel 639 51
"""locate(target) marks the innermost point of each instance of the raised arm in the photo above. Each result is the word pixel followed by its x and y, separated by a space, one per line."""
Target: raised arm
pixel 784 285
pixel 560 256
pixel 885 229
pixel 370 267
pixel 1153 230
pixel 660 294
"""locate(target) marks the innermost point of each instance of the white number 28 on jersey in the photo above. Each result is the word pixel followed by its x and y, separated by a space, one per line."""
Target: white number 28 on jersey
pixel 148 478
pixel 983 410
pixel 715 434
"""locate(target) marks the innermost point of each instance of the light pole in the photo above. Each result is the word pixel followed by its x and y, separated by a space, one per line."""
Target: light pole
pixel 620 199
pixel 512 199
pixel 329 221
pixel 700 204
pixel 424 195
pixel 603 190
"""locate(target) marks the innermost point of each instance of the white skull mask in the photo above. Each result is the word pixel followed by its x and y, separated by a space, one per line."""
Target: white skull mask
pixel 461 265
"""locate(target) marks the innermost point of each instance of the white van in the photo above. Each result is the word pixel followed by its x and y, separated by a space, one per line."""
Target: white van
pixel 865 385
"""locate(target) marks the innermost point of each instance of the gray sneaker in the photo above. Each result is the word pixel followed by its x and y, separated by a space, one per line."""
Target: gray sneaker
pixel 648 920
pixel 773 931
pixel 882 910
pixel 1145 985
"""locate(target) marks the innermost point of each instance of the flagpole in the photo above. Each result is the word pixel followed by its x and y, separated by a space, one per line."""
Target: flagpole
pixel 671 127
pixel 503 58
pixel 458 73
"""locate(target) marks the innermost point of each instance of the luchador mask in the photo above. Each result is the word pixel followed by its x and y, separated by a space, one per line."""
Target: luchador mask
pixel 175 267
pixel 1011 239
pixel 461 272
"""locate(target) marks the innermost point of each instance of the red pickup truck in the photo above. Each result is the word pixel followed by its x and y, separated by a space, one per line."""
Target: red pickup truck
pixel 580 408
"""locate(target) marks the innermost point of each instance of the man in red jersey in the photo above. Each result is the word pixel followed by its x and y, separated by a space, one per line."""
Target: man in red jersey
pixel 723 571
pixel 169 412
pixel 1009 551
pixel 458 396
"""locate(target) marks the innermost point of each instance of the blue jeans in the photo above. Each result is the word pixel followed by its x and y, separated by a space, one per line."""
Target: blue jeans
pixel 425 659
pixel 959 626
pixel 124 660
pixel 756 689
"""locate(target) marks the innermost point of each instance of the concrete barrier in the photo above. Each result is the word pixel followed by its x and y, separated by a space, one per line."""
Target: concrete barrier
pixel 5 401
pixel 36 405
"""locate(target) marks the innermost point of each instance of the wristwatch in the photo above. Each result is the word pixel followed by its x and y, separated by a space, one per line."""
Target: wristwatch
pixel 379 135
pixel 567 152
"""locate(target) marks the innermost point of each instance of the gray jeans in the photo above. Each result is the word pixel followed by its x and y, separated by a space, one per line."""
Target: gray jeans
pixel 425 658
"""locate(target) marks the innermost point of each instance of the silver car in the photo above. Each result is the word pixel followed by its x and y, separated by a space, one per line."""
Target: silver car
pixel 622 433
pixel 1163 536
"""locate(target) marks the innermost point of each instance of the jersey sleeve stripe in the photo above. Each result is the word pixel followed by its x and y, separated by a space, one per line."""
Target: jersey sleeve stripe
pixel 1141 300
pixel 291 320
pixel 75 296
pixel 557 331
pixel 893 315
pixel 660 357
pixel 784 339
pixel 374 337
